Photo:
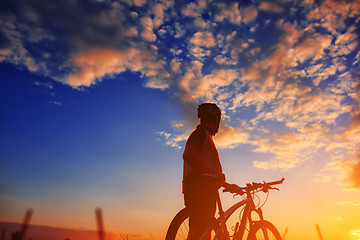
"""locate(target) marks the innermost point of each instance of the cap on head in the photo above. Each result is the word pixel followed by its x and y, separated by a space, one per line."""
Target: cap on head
pixel 206 110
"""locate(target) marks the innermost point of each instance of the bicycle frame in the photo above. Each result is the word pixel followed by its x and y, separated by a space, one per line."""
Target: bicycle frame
pixel 246 223
pixel 224 216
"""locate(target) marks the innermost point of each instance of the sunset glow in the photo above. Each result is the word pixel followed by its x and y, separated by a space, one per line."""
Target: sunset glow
pixel 98 97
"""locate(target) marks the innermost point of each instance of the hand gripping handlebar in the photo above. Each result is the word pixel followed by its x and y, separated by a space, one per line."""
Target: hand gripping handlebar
pixel 265 186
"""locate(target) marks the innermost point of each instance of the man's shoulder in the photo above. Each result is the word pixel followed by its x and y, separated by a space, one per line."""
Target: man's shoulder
pixel 200 130
pixel 197 137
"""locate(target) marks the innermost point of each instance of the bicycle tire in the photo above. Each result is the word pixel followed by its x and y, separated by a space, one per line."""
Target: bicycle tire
pixel 179 226
pixel 263 230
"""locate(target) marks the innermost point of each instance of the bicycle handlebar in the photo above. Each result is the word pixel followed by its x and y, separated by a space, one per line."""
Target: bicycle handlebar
pixel 277 182
pixel 265 186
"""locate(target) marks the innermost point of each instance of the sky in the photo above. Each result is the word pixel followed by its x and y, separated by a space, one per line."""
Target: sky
pixel 98 97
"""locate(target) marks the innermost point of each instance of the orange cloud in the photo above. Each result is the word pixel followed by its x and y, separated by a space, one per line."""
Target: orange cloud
pixel 209 85
pixel 147 33
pixel 205 39
pixel 332 14
pixel 96 63
pixel 350 203
pixel 290 149
pixel 196 86
pixel 193 9
pixel 249 14
pixel 4 53
pixel 139 2
pixel 312 47
pixel 229 137
pixel 232 13
pixel 270 6
pixel 159 9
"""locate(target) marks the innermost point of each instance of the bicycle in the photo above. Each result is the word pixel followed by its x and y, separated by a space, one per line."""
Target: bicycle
pixel 257 230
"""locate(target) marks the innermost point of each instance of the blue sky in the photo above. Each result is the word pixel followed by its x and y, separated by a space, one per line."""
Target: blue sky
pixel 50 133
pixel 98 98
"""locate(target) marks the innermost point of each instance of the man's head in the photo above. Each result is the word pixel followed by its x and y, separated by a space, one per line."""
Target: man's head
pixel 210 116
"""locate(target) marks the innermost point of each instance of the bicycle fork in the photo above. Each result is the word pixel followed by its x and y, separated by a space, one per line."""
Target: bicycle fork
pixel 239 231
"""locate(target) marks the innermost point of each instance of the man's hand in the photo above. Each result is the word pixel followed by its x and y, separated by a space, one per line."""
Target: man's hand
pixel 233 188
pixel 221 177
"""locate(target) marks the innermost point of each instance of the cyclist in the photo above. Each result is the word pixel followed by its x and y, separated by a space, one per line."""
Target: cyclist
pixel 202 172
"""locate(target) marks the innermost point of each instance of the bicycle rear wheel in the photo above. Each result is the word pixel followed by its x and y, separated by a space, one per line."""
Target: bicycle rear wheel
pixel 263 230
pixel 179 226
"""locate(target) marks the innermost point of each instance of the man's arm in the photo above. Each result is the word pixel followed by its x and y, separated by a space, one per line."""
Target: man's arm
pixel 193 157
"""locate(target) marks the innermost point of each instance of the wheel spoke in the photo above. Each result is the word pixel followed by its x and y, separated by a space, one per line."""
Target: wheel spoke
pixel 183 230
pixel 264 230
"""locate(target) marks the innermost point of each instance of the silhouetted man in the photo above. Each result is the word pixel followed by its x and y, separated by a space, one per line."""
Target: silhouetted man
pixel 202 171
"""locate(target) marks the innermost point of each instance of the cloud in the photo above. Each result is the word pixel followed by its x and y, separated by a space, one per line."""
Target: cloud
pixel 312 47
pixel 249 14
pixel 43 36
pixel 96 63
pixel 208 86
pixel 349 203
pixel 147 33
pixel 291 149
pixel 194 9
pixel 159 14
pixel 139 3
pixel 230 137
pixel 270 6
pixel 173 140
pixel 231 13
pixel 204 39
pixel 13 49
pixel 355 232
pixel 336 218
pixel 331 14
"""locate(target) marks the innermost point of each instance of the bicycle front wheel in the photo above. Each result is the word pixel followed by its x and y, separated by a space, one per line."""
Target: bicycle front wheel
pixel 263 230
pixel 179 226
